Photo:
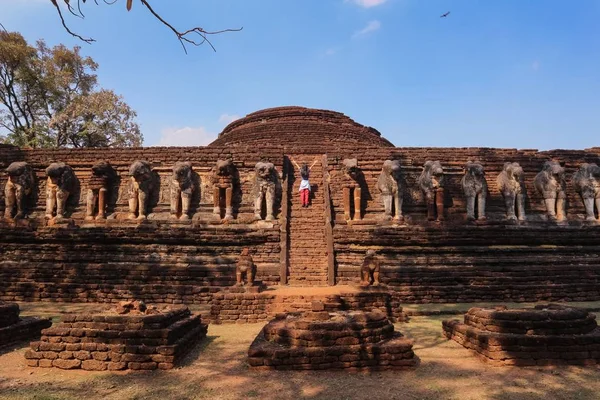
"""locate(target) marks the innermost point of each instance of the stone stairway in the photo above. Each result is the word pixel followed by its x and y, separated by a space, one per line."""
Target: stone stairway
pixel 307 247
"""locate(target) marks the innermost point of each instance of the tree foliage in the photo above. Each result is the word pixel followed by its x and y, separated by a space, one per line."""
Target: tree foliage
pixel 49 98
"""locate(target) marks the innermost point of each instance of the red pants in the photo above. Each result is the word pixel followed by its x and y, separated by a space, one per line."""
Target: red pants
pixel 304 194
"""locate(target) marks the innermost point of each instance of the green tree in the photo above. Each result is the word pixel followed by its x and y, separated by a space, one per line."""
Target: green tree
pixel 49 98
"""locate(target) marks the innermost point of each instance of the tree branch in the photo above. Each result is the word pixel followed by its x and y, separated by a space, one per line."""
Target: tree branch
pixel 64 24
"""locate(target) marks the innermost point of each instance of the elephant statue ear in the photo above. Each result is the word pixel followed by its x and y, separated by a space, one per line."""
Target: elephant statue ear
pixel 547 166
pixel 507 166
pixel 427 165
pixel 468 165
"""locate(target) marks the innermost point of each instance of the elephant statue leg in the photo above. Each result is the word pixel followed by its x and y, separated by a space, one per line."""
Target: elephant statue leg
pixel 9 194
pixel 217 200
pixel 470 208
pixel 20 200
pixel 250 276
pixel 229 203
pixel 430 199
pixel 90 199
pixel 238 278
pixel 398 206
pixel 133 205
pixel 101 204
pixel 346 194
pixel 375 278
pixel 61 202
pixel 439 203
pixel 175 200
pixel 589 209
pixel 597 201
pixel 357 203
pixel 143 206
pixel 50 201
pixel 509 203
pixel 258 205
pixel 270 199
pixel 186 201
pixel 520 205
pixel 550 204
pixel 481 206
pixel 561 209
pixel 387 205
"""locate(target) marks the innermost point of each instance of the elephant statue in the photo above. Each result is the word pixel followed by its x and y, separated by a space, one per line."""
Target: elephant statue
pixel 390 189
pixel 265 186
pixel 550 182
pixel 510 184
pixel 475 188
pixel 60 184
pixel 222 180
pixel 351 189
pixel 586 182
pixel 18 189
pixel 102 176
pixel 182 189
pixel 431 182
pixel 141 186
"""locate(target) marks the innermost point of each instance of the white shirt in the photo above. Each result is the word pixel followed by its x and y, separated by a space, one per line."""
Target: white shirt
pixel 304 184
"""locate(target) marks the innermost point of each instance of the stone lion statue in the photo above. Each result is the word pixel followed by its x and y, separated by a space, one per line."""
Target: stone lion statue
pixel 102 176
pixel 370 270
pixel 586 182
pixel 60 184
pixel 390 189
pixel 510 184
pixel 141 186
pixel 550 182
pixel 18 189
pixel 431 182
pixel 265 186
pixel 475 188
pixel 182 189
pixel 245 266
pixel 222 180
pixel 351 189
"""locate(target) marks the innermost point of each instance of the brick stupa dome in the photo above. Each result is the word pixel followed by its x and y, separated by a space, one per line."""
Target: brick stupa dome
pixel 299 126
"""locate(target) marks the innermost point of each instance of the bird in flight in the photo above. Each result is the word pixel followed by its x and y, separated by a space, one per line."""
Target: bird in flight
pixel 445 15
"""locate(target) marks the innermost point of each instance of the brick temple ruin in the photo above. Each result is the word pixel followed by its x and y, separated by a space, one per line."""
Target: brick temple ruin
pixel 168 225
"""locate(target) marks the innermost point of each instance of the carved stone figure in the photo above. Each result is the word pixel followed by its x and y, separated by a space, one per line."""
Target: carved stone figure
pixel 182 189
pixel 18 188
pixel 474 186
pixel 391 191
pixel 222 180
pixel 550 182
pixel 245 266
pixel 510 184
pixel 97 193
pixel 431 182
pixel 61 183
pixel 586 182
pixel 351 188
pixel 265 184
pixel 369 272
pixel 140 188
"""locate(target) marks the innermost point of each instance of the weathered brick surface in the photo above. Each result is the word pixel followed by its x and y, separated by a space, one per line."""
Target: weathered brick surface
pixel 546 335
pixel 15 329
pixel 339 340
pixel 97 342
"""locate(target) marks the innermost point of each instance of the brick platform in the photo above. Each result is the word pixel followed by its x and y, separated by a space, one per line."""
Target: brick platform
pixel 231 307
pixel 15 329
pixel 544 335
pixel 98 342
pixel 338 340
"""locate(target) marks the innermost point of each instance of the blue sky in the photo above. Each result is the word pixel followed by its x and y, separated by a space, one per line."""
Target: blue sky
pixel 505 73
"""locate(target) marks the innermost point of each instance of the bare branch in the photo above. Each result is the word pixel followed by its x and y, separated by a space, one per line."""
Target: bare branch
pixel 183 36
pixel 87 40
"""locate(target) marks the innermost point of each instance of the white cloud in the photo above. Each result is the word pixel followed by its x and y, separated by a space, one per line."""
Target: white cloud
pixel 535 65
pixel 228 118
pixel 186 136
pixel 372 26
pixel 366 3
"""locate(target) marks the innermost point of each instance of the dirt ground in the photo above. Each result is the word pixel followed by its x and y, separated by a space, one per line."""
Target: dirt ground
pixel 216 369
